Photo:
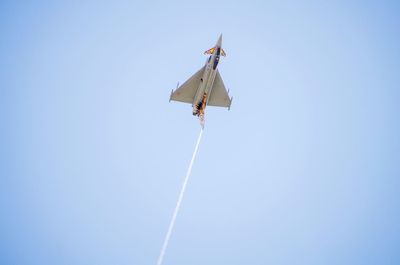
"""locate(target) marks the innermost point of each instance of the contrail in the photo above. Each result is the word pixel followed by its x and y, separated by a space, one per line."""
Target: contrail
pixel 178 204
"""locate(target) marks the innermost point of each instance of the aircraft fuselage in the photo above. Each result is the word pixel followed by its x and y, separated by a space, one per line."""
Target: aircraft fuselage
pixel 207 81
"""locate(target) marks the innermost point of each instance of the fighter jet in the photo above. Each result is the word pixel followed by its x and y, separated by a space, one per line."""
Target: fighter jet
pixel 205 87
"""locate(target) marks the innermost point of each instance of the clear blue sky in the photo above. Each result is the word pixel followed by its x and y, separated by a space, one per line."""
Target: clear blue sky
pixel 304 169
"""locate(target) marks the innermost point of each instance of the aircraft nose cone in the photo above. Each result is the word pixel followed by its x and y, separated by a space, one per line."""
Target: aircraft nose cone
pixel 219 42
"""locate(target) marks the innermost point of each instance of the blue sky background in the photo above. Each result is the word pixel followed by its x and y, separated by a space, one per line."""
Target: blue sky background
pixel 304 169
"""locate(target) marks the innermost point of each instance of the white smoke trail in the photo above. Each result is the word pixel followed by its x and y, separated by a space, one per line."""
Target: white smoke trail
pixel 178 204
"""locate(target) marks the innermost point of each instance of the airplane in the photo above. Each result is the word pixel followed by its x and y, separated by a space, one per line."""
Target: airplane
pixel 205 87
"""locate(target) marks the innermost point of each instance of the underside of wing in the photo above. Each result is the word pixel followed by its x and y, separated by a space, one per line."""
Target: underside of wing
pixel 187 91
pixel 219 96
